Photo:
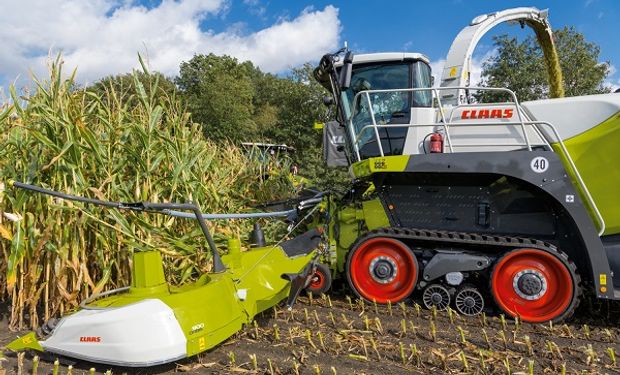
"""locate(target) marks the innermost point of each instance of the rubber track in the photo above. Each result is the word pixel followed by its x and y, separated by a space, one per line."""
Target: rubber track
pixel 507 242
pixel 458 238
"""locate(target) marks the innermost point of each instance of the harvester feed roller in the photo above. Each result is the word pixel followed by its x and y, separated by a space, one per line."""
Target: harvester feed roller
pixel 152 322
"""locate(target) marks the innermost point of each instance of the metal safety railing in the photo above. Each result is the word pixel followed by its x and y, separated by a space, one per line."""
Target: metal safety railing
pixel 436 98
pixel 447 122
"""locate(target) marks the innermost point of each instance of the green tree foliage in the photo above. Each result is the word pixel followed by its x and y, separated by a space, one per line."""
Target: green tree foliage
pixel 219 93
pixel 236 101
pixel 298 104
pixel 520 67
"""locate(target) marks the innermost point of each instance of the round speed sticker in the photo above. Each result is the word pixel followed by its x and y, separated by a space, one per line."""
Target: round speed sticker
pixel 539 164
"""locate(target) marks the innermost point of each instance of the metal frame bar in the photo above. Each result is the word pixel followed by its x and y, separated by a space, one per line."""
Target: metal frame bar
pixel 160 208
pixel 435 91
pixel 446 125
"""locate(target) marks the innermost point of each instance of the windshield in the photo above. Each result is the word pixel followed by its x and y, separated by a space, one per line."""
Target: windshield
pixel 378 77
pixel 387 108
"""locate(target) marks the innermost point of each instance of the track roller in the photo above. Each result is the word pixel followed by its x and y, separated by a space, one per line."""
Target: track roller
pixel 436 295
pixel 468 301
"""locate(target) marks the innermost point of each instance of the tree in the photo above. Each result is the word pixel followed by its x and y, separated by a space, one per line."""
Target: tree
pixel 219 93
pixel 237 102
pixel 298 101
pixel 520 67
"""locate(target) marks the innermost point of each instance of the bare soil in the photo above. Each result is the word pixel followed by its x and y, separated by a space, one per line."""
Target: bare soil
pixel 343 335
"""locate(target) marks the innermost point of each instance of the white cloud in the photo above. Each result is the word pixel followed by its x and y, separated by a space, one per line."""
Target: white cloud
pixel 437 70
pixel 103 37
pixel 614 84
pixel 611 81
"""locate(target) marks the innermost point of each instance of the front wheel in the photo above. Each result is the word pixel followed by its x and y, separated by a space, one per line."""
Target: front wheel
pixel 535 285
pixel 382 270
pixel 321 280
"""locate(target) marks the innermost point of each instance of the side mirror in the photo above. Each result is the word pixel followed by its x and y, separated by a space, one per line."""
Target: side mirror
pixel 346 70
pixel 328 101
pixel 333 145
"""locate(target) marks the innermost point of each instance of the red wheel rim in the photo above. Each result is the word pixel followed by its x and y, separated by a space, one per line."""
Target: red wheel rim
pixel 532 284
pixel 383 269
pixel 317 281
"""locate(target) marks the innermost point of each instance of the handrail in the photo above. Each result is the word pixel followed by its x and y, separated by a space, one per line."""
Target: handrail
pixel 470 124
pixel 443 123
pixel 517 108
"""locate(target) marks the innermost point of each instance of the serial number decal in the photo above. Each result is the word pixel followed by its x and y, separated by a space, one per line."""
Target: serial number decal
pixel 380 164
pixel 475 114
pixel 197 328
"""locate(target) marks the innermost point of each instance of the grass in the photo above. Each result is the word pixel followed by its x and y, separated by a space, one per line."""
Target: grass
pixel 143 147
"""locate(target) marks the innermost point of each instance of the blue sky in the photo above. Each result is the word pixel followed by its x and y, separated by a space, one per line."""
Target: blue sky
pixel 430 26
pixel 102 37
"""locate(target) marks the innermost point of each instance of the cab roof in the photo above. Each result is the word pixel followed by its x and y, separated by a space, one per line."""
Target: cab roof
pixel 386 56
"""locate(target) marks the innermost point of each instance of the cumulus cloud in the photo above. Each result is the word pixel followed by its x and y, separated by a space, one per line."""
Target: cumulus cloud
pixel 103 37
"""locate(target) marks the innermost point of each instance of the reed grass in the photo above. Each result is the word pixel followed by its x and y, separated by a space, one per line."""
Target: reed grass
pixel 143 147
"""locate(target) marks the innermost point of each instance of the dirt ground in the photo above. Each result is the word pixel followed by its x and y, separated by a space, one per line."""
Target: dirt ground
pixel 342 335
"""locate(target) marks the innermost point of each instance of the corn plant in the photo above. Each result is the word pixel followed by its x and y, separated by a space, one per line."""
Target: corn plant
pixel 112 147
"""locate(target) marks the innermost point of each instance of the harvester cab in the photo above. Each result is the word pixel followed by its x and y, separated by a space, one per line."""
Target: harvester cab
pixel 458 199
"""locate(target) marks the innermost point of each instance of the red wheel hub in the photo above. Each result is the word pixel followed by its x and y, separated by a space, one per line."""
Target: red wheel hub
pixel 532 284
pixel 383 269
pixel 317 281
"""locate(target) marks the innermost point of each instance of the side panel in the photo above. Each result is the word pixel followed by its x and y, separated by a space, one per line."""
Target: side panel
pixel 596 155
pixel 612 246
pixel 374 214
pixel 491 205
pixel 553 180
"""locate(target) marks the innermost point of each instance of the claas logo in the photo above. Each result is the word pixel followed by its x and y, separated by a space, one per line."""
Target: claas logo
pixel 90 339
pixel 476 114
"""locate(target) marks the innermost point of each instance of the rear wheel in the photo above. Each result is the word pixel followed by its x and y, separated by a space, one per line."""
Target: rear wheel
pixel 535 285
pixel 382 270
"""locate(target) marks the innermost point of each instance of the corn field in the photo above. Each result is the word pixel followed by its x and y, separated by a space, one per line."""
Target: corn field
pixel 55 253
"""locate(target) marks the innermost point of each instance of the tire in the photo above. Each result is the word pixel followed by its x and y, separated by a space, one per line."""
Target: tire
pixel 321 280
pixel 382 270
pixel 536 285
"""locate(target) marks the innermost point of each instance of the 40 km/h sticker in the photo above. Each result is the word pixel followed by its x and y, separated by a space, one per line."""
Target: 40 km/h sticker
pixel 539 164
